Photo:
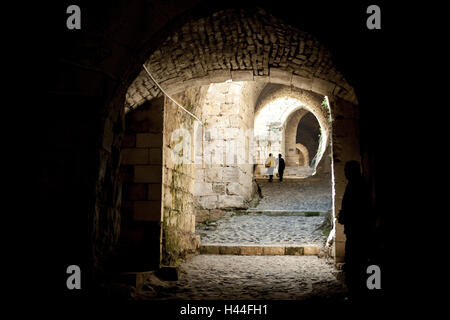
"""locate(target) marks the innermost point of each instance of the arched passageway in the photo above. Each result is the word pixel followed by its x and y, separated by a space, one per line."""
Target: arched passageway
pixel 232 104
pixel 183 56
pixel 302 155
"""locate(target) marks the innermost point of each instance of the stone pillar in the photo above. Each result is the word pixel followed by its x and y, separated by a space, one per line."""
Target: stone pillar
pixel 179 239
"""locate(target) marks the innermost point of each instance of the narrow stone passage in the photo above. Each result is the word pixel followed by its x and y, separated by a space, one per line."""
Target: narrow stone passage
pixel 288 215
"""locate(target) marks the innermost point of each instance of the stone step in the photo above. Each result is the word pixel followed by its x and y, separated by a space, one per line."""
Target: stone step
pixel 248 250
pixel 265 178
pixel 275 213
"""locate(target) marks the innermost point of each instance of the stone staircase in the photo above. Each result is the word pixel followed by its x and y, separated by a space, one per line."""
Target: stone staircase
pixel 283 222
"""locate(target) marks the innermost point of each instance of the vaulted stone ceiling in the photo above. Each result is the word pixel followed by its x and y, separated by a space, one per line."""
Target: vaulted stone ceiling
pixel 243 46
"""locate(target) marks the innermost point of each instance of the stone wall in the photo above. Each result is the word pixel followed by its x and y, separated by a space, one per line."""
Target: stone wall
pixel 291 155
pixel 224 172
pixel 179 239
pixel 82 117
pixel 141 175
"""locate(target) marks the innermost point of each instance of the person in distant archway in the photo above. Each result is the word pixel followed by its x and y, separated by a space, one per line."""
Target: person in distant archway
pixel 354 216
pixel 270 165
pixel 281 166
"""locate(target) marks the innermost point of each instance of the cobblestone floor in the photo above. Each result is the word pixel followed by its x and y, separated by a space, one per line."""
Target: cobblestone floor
pixel 224 277
pixel 310 194
pixel 263 230
pixel 233 277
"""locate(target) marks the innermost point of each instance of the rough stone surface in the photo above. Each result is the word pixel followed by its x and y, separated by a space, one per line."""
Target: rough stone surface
pixel 257 45
pixel 309 194
pixel 223 157
pixel 178 237
pixel 229 277
pixel 283 224
pixel 264 230
pixel 280 136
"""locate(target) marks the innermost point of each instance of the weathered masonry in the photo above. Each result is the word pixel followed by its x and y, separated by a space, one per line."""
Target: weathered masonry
pixel 247 81
pixel 112 147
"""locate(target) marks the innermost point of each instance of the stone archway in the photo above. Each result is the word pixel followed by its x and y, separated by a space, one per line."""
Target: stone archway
pixel 303 157
pixel 292 122
pixel 245 49
pixel 93 72
pixel 277 134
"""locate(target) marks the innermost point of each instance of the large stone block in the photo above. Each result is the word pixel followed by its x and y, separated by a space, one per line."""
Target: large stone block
pixel 215 214
pixel 155 156
pixel 231 201
pixel 219 76
pixel 201 215
pixel 129 141
pixel 203 188
pixel 147 210
pixel 311 250
pixel 126 173
pixel 234 188
pixel 209 249
pixel 213 174
pixel 135 191
pixel 246 191
pixel 294 251
pixel 230 174
pixel 208 202
pixel 231 250
pixel 251 251
pixel 280 76
pixel 273 251
pixel 148 140
pixel 322 86
pixel 301 82
pixel 150 174
pixel 134 156
pixel 219 188
pixel 154 191
pixel 242 75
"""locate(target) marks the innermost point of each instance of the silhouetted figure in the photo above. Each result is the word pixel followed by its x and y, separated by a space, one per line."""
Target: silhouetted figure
pixel 270 165
pixel 281 166
pixel 354 215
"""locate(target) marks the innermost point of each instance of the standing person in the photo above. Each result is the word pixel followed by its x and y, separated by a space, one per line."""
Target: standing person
pixel 281 166
pixel 270 165
pixel 354 217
